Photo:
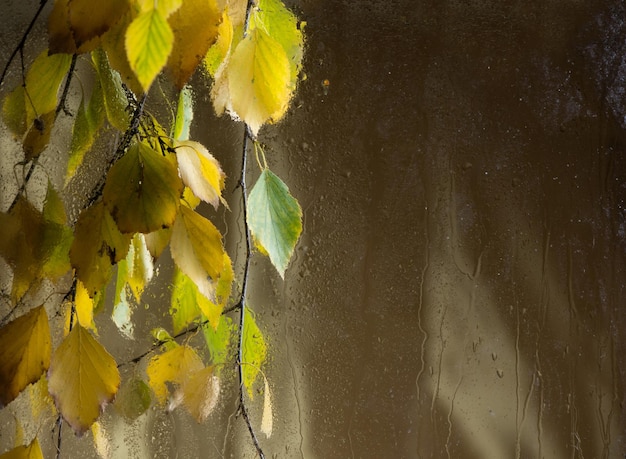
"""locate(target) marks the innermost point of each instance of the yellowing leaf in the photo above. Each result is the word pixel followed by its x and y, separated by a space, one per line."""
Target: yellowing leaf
pixel 32 451
pixel 195 25
pixel 82 379
pixel 89 19
pixel 139 265
pixel 101 440
pixel 166 7
pixel 173 366
pixel 196 247
pixel 149 42
pixel 143 190
pixel 41 404
pixel 38 135
pixel 281 24
pixel 254 351
pixel 43 80
pixel 84 307
pixel 14 112
pixel 184 301
pixel 24 352
pixel 97 245
pixel 275 219
pixel 157 241
pixel 259 76
pixel 218 341
pixel 57 237
pixel 200 393
pixel 200 171
pixel 184 114
pixel 218 52
pixel 267 420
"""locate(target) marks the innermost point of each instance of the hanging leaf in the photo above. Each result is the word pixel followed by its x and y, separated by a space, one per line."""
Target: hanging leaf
pixel 97 245
pixel 89 119
pixel 84 307
pixel 133 399
pixel 282 25
pixel 200 393
pixel 24 353
pixel 157 241
pixel 184 114
pixel 184 301
pixel 43 81
pixel 41 404
pixel 275 219
pixel 114 100
pixel 166 7
pixel 149 42
pixel 143 190
pixel 114 43
pixel 173 366
pixel 101 440
pixel 57 237
pixel 195 24
pixel 259 76
pixel 196 247
pixel 32 451
pixel 254 351
pixel 218 52
pixel 218 341
pixel 267 420
pixel 82 379
pixel 200 171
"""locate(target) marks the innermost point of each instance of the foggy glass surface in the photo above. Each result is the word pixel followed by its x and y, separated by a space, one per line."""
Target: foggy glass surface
pixel 459 288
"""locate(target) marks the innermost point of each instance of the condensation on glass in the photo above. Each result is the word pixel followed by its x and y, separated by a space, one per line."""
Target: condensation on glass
pixel 460 287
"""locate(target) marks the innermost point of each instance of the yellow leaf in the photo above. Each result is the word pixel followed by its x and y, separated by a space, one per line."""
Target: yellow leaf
pixel 149 42
pixel 38 135
pixel 166 7
pixel 200 393
pixel 84 307
pixel 200 171
pixel 82 379
pixel 32 451
pixel 196 247
pixel 195 26
pixel 143 190
pixel 89 19
pixel 14 112
pixel 114 43
pixel 267 420
pixel 172 366
pixel 24 352
pixel 157 241
pixel 97 245
pixel 43 81
pixel 140 267
pixel 41 403
pixel 101 440
pixel 259 77
pixel 218 52
pixel 254 351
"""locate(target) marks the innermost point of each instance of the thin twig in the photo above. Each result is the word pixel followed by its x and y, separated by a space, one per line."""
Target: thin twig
pixel 242 300
pixel 19 48
pixel 59 424
pixel 131 132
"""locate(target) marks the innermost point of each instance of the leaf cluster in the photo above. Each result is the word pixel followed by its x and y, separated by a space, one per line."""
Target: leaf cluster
pixel 148 201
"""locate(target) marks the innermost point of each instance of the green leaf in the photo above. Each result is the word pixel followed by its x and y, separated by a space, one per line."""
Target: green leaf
pixel 197 249
pixel 275 219
pixel 254 351
pixel 24 353
pixel 82 379
pixel 115 102
pixel 133 399
pixel 97 245
pixel 259 80
pixel 149 42
pixel 184 114
pixel 143 190
pixel 218 341
pixel 184 302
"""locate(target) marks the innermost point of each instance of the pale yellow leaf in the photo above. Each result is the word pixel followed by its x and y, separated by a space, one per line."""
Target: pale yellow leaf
pixel 197 249
pixel 82 379
pixel 24 352
pixel 259 80
pixel 267 420
pixel 101 440
pixel 200 171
